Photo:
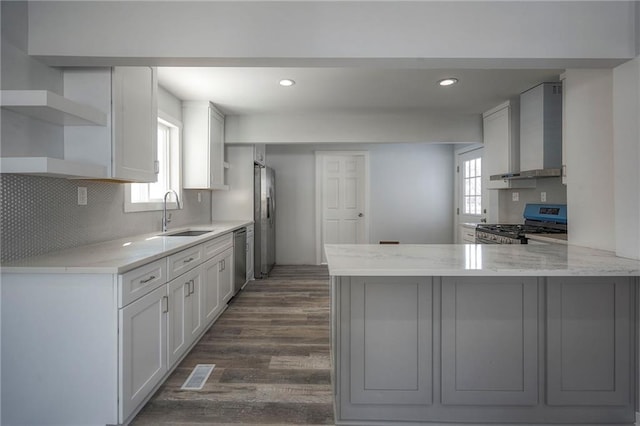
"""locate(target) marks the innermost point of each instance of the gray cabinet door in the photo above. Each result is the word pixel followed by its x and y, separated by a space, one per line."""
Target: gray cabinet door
pixel 390 341
pixel 589 335
pixel 489 341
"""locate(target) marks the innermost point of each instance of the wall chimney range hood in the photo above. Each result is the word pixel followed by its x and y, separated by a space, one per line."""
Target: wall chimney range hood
pixel 529 174
pixel 540 133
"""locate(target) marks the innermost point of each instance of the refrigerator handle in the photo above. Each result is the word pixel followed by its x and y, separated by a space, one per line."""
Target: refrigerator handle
pixel 268 207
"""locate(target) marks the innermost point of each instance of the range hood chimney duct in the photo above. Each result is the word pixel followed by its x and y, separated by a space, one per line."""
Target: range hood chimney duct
pixel 540 133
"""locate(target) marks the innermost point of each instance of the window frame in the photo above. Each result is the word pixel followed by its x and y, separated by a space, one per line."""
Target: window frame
pixel 175 154
pixel 473 179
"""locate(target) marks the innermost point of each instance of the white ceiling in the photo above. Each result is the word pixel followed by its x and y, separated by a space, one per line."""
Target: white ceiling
pixel 240 91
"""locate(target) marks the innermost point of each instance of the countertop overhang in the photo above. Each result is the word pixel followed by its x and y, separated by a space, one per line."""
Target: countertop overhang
pixel 121 255
pixel 475 260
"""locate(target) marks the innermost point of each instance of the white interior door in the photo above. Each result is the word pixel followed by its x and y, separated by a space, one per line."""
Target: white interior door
pixel 342 199
pixel 471 199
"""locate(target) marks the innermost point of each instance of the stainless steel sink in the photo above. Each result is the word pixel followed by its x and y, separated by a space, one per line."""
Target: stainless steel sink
pixel 188 233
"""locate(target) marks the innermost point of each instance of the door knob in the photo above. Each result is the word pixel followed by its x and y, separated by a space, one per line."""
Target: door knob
pixel 360 215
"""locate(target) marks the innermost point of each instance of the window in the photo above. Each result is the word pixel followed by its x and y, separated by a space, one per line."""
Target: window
pixel 472 186
pixel 150 196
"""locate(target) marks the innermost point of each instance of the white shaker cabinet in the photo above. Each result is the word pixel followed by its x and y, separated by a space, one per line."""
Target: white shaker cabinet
pixel 203 146
pixel 142 346
pixel 135 123
pixel 185 308
pixel 467 234
pixel 106 120
pixel 501 146
pixel 250 253
pixel 211 301
pixel 213 298
pixel 111 339
pixel 226 278
pixel 127 146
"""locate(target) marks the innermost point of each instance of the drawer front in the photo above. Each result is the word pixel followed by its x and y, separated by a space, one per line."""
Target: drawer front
pixel 217 245
pixel 140 281
pixel 468 235
pixel 183 261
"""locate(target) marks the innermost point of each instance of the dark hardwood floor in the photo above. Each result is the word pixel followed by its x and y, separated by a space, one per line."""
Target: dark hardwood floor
pixel 271 351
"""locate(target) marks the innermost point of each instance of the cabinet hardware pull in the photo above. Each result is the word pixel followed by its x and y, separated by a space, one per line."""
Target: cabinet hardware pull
pixel 165 304
pixel 188 260
pixel 152 277
pixel 192 287
pixel 187 289
pixel 220 268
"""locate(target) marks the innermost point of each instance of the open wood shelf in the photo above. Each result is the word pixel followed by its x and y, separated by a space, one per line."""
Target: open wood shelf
pixel 51 107
pixel 52 167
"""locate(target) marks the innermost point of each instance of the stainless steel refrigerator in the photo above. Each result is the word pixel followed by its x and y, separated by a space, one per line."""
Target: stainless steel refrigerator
pixel 264 216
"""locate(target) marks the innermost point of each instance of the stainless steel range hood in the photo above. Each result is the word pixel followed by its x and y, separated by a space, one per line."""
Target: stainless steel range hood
pixel 540 133
pixel 529 174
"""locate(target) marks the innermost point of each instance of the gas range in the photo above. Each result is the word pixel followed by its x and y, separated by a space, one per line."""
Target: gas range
pixel 539 219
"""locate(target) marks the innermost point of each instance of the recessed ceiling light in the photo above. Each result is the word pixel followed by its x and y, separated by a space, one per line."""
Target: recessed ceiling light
pixel 287 82
pixel 448 81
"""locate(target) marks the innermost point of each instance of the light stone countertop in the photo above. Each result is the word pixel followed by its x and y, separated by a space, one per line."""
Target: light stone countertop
pixel 469 225
pixel 119 256
pixel 549 238
pixel 476 260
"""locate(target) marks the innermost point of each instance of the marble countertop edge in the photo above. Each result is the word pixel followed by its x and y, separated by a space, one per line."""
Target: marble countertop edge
pixel 475 260
pixel 120 255
pixel 473 273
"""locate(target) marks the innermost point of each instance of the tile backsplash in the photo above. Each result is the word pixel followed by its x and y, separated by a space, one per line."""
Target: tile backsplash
pixel 41 214
pixel 511 211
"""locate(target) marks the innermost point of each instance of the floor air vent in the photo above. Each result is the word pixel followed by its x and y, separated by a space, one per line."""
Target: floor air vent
pixel 198 377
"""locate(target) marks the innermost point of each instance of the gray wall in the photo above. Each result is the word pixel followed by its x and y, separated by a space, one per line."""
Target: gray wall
pixel 411 195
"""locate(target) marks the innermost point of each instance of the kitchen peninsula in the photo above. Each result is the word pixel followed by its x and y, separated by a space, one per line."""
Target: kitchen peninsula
pixel 535 334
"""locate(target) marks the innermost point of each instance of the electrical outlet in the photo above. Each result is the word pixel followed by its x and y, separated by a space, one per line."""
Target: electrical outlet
pixel 543 197
pixel 82 195
pixel 515 196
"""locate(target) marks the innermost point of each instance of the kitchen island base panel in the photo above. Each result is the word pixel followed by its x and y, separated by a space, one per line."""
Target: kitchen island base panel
pixel 390 341
pixel 483 350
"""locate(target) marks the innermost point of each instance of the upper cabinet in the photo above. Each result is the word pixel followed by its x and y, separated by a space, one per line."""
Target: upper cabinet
pixel 127 146
pixel 203 146
pixel 135 123
pixel 108 122
pixel 501 145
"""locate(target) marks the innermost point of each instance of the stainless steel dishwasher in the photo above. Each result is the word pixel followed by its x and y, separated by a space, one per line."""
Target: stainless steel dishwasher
pixel 240 256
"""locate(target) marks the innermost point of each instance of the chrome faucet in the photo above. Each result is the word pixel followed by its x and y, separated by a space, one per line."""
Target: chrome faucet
pixel 165 219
